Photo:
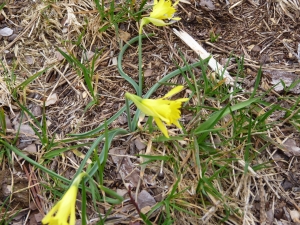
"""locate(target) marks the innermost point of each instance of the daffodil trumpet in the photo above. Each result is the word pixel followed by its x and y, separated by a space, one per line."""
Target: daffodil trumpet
pixel 162 110
pixel 162 10
pixel 63 212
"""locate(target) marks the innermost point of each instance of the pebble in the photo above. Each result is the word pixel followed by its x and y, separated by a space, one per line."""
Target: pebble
pixel 12 37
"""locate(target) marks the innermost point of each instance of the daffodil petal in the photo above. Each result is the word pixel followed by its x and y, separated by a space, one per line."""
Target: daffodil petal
pixel 162 109
pixel 72 217
pixel 176 2
pixel 138 102
pixel 156 22
pixel 176 18
pixel 174 91
pixel 177 124
pixel 159 107
pixel 63 213
pixel 47 218
pixel 161 126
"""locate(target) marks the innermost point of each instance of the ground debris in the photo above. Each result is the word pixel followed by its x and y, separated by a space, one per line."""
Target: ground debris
pixel 282 80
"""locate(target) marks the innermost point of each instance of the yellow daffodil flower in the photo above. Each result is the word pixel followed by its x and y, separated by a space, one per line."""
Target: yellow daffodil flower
pixel 161 109
pixel 64 210
pixel 162 10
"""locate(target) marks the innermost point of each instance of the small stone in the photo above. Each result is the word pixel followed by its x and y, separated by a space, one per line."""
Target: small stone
pixel 29 59
pixel 31 149
pixel 295 215
pixel 84 94
pixel 6 31
pixel 10 55
pixel 256 48
pixel 37 110
pixel 148 73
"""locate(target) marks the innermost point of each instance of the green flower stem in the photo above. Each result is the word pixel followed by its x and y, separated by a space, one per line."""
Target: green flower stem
pixel 120 58
pixel 128 114
pixel 141 75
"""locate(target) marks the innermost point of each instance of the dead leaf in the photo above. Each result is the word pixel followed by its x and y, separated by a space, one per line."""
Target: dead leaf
pixel 24 128
pixel 139 144
pixel 124 35
pixel 148 73
pixel 31 149
pixel 71 19
pixel 270 216
pixel 282 76
pixel 122 119
pixel 8 122
pixel 38 217
pixel 52 99
pixel 89 55
pixel 207 3
pixel 295 215
pixel 58 55
pixel 128 170
pixel 292 147
pixel 36 110
pixel 145 199
pixel 121 192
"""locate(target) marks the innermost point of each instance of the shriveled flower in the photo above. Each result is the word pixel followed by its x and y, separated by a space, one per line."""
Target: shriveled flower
pixel 162 10
pixel 162 110
pixel 63 213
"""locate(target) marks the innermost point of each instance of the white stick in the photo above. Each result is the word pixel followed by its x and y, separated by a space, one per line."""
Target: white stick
pixel 214 65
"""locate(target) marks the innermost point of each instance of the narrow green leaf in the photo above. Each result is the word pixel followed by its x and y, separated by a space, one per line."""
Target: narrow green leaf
pixel 30 79
pixel 83 204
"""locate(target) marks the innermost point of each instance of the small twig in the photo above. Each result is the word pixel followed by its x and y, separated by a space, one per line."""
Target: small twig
pixel 133 201
pixel 262 202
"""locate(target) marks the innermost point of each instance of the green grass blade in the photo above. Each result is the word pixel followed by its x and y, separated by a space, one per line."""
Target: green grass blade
pixel 213 120
pixel 30 79
pixel 83 204
pixel 36 164
pixel 2 121
pixel 112 194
